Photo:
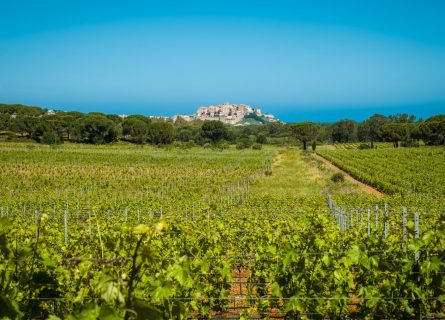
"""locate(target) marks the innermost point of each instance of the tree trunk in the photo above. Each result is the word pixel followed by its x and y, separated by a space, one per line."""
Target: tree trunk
pixel 304 145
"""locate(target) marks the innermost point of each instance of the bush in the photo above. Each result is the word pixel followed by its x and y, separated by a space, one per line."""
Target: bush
pixel 166 147
pixel 7 135
pixel 244 143
pixel 363 146
pixel 50 137
pixel 338 177
pixel 177 144
pixel 241 146
pixel 257 146
pixel 188 145
pixel 410 144
pixel 261 138
pixel 223 145
pixel 183 145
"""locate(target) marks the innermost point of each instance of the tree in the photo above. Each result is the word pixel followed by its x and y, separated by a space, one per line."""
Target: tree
pixel 304 131
pixel 160 133
pixel 135 129
pixel 402 118
pixel 261 138
pixel 180 122
pixel 24 125
pixel 214 130
pixel 276 129
pixel 5 120
pixel 21 110
pixel 184 134
pixel 433 130
pixel 244 142
pixel 67 122
pixel 412 135
pixel 50 137
pixel 140 117
pixel 115 118
pixel 369 129
pixel 415 132
pixel 344 131
pixel 393 132
pixel 39 129
pixel 96 128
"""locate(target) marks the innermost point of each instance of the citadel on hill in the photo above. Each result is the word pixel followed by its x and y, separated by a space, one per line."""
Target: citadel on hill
pixel 229 113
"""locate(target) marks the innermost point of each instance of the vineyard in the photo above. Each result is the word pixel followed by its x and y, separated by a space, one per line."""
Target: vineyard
pixel 356 145
pixel 132 232
pixel 395 171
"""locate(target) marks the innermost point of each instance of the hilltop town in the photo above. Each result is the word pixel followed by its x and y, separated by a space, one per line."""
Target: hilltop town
pixel 229 113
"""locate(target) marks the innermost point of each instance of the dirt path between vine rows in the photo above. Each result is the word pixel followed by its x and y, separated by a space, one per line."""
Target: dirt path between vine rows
pixel 364 187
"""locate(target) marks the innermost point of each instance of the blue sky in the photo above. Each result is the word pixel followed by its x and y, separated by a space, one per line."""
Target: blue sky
pixel 301 60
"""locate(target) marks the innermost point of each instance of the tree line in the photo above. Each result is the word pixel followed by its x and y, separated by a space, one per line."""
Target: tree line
pixel 19 122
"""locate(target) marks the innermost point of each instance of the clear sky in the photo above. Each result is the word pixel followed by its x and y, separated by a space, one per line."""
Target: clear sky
pixel 301 60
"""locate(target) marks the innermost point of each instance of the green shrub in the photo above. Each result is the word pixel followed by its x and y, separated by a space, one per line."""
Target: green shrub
pixel 338 177
pixel 409 143
pixel 7 135
pixel 50 137
pixel 241 146
pixel 188 145
pixel 177 144
pixel 363 146
pixel 257 146
pixel 261 138
pixel 243 143
pixel 223 145
pixel 183 145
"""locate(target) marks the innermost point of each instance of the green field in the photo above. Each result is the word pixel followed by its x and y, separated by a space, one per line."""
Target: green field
pixel 395 171
pixel 136 232
pixel 349 146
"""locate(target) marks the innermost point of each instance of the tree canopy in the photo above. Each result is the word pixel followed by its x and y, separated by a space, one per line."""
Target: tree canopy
pixel 214 130
pixel 305 132
pixel 24 122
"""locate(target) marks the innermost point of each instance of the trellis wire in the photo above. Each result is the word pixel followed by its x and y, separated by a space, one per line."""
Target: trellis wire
pixel 244 297
pixel 252 256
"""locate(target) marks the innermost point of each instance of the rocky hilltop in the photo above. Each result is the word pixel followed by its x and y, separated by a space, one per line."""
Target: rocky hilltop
pixel 234 114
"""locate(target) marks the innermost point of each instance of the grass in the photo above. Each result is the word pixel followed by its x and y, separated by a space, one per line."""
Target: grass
pixel 300 174
pixel 291 175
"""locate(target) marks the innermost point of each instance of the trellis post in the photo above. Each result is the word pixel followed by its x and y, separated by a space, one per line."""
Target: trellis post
pixel 416 232
pixel 65 224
